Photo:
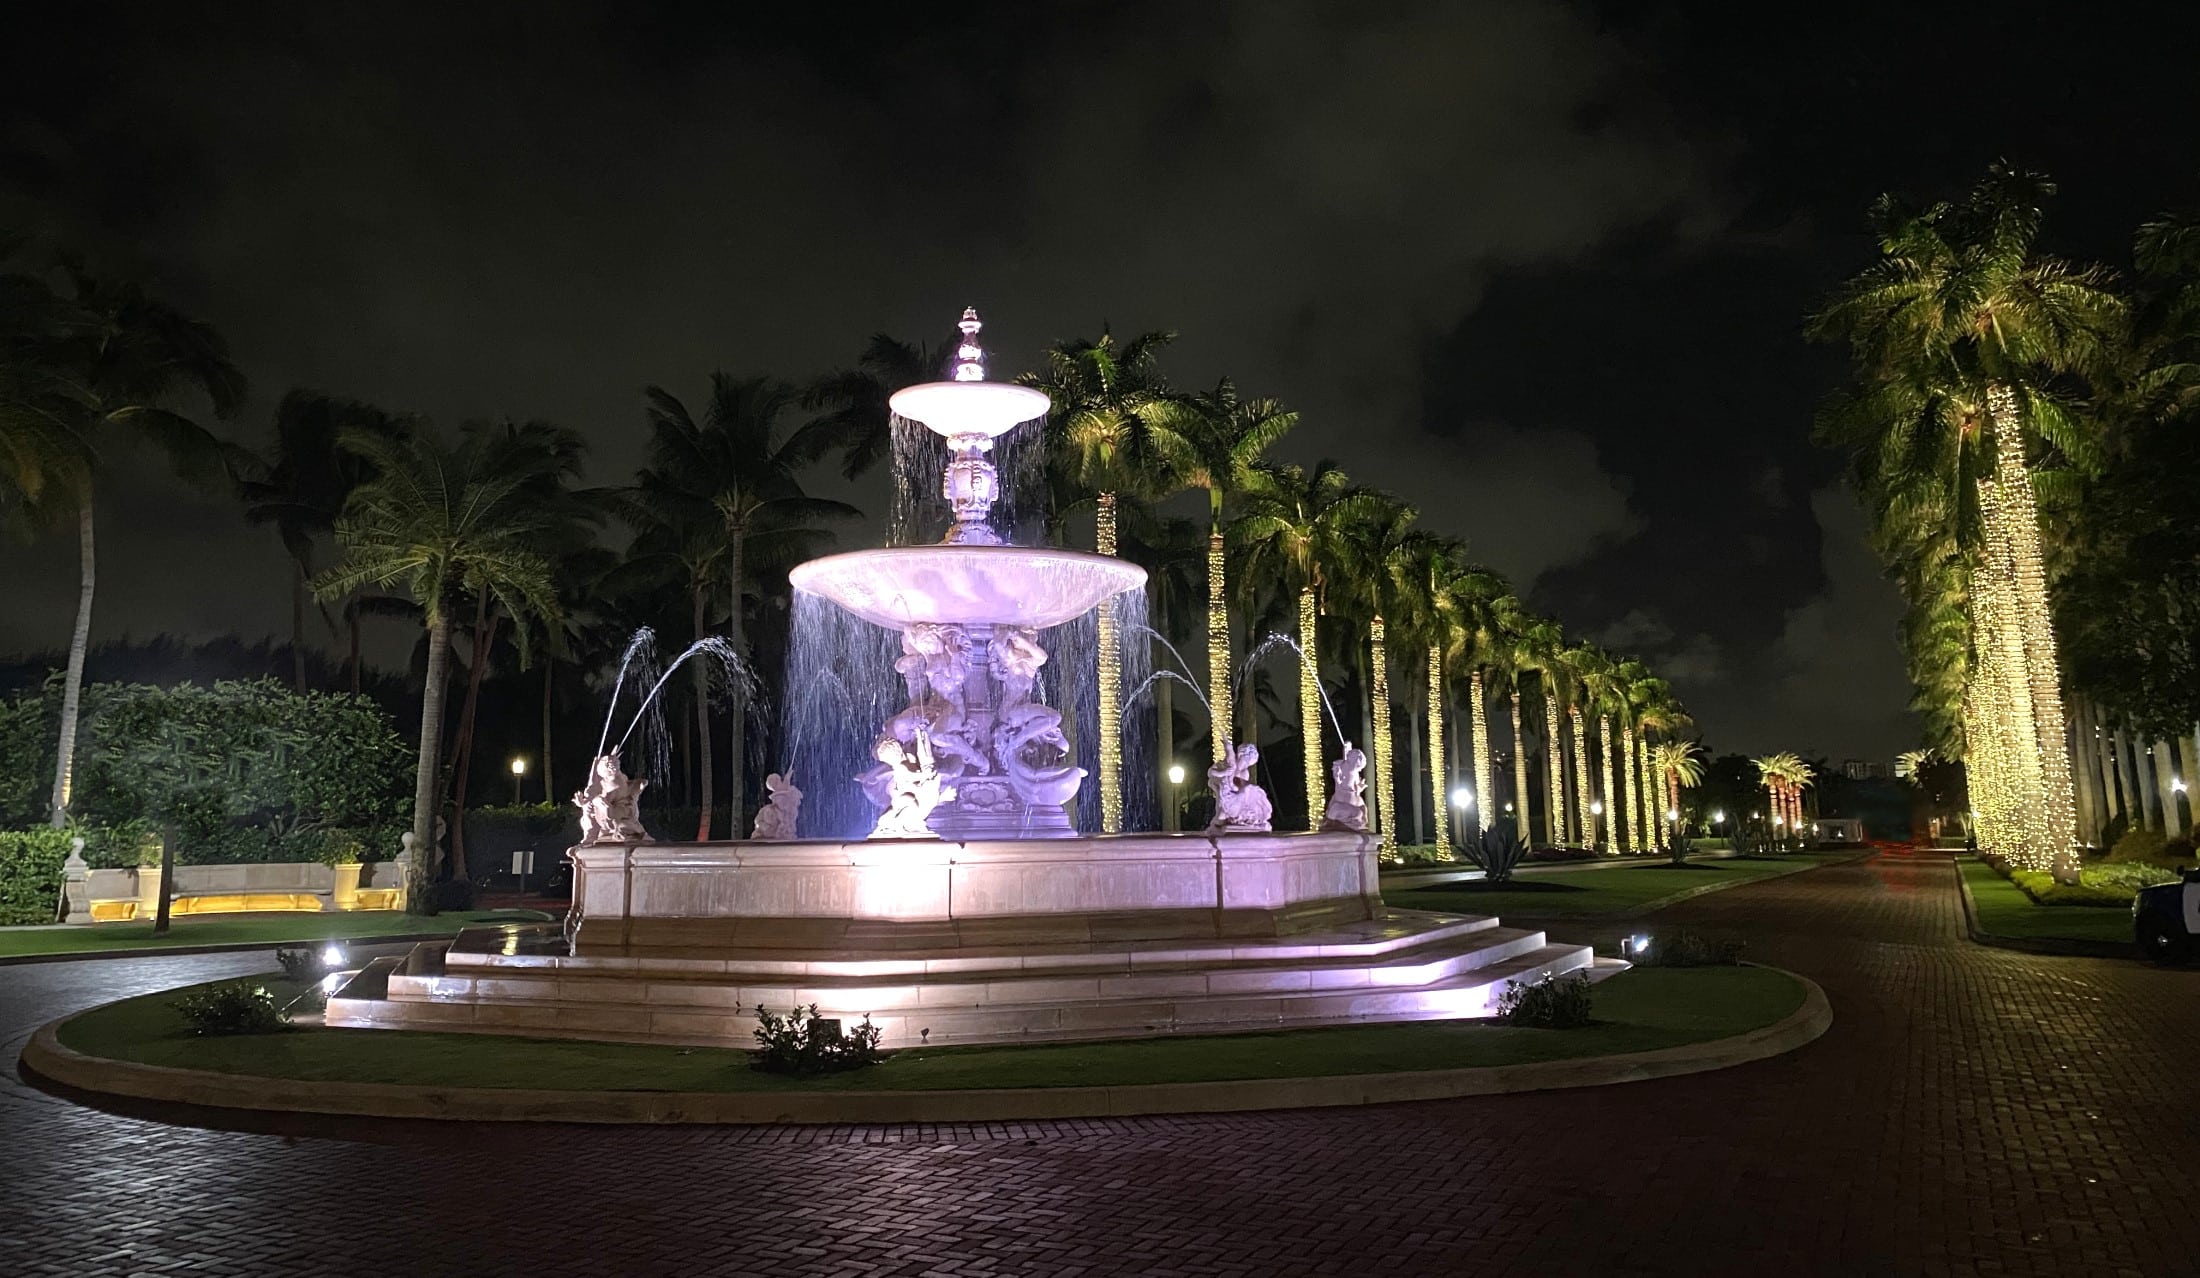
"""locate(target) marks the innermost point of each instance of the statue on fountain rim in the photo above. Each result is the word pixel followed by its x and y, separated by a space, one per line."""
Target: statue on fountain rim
pixel 775 821
pixel 1347 808
pixel 1239 803
pixel 610 804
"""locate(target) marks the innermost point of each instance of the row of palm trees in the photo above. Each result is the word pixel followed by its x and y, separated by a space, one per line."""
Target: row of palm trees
pixel 1306 542
pixel 1992 383
pixel 488 540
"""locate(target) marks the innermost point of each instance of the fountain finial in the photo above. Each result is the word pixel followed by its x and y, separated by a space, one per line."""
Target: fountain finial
pixel 969 356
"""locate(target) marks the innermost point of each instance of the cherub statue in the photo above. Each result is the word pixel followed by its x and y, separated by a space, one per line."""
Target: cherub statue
pixel 1016 657
pixel 775 821
pixel 912 787
pixel 1239 803
pixel 1347 808
pixel 935 657
pixel 610 804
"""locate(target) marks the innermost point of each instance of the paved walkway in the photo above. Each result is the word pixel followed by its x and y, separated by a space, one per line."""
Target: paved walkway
pixel 1973 1111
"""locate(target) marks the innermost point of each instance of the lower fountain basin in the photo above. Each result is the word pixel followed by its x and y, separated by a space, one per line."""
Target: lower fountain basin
pixel 1031 586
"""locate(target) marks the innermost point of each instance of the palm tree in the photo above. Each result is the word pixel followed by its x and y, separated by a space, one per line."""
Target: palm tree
pixel 859 416
pixel 1509 659
pixel 1100 430
pixel 1658 713
pixel 734 466
pixel 1545 645
pixel 1680 765
pixel 44 460
pixel 1212 442
pixel 1967 345
pixel 1574 667
pixel 442 524
pixel 103 358
pixel 1296 526
pixel 1481 599
pixel 301 487
pixel 1432 581
pixel 1381 550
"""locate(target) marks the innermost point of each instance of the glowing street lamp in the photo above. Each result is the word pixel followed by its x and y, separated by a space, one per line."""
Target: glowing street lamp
pixel 1462 797
pixel 519 770
pixel 1717 817
pixel 1169 809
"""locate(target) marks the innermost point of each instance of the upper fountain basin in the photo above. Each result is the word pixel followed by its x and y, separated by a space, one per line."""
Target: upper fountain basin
pixel 1036 586
pixel 970 408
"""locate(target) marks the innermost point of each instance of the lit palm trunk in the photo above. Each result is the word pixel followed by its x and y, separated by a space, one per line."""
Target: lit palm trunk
pixel 1111 686
pixel 1222 727
pixel 1436 761
pixel 1479 724
pixel 1627 831
pixel 1647 788
pixel 2055 811
pixel 1520 773
pixel 1611 812
pixel 1385 820
pixel 1554 763
pixel 1584 821
pixel 1310 708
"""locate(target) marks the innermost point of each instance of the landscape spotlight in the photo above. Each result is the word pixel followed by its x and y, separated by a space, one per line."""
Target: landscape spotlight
pixel 332 955
pixel 1462 797
pixel 2177 785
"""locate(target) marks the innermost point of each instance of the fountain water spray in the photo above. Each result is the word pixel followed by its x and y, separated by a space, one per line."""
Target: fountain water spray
pixel 642 646
pixel 1307 670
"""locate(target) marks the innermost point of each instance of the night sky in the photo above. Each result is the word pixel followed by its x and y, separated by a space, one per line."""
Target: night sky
pixel 1539 269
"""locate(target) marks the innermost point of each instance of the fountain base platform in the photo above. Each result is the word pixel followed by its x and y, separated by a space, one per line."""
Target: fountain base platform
pixel 941 942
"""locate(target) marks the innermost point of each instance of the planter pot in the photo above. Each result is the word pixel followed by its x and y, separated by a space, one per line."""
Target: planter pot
pixel 346 885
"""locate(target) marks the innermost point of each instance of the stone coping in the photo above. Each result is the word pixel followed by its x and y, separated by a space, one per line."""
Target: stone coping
pixel 47 1057
pixel 2059 946
pixel 1673 898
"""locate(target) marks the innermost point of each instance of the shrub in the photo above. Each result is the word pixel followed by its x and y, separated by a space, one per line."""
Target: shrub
pixel 1555 1002
pixel 801 1042
pixel 2141 845
pixel 1685 948
pixel 2044 890
pixel 449 895
pixel 1497 852
pixel 2129 877
pixel 30 874
pixel 239 1007
pixel 1562 854
pixel 1422 854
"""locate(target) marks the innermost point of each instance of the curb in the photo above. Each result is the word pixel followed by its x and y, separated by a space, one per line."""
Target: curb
pixel 46 1057
pixel 2062 947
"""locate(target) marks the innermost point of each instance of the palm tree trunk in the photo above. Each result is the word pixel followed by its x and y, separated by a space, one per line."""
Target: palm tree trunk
pixel 1385 775
pixel 1485 801
pixel 1554 767
pixel 737 745
pixel 80 642
pixel 485 636
pixel 1111 683
pixel 425 767
pixel 1218 640
pixel 549 663
pixel 1438 773
pixel 1584 820
pixel 1646 791
pixel 1628 828
pixel 1417 828
pixel 703 771
pixel 1610 841
pixel 1310 707
pixel 162 910
pixel 1521 819
pixel 351 623
pixel 2165 775
pixel 298 627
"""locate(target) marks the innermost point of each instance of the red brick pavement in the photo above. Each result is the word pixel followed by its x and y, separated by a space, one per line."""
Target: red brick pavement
pixel 1973 1112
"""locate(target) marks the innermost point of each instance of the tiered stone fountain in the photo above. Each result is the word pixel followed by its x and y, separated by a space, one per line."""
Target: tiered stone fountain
pixel 975 912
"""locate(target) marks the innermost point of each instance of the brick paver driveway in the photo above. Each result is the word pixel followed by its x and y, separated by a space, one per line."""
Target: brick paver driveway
pixel 1972 1111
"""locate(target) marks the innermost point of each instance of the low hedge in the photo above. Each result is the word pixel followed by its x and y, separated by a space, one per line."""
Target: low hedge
pixel 2097 884
pixel 30 874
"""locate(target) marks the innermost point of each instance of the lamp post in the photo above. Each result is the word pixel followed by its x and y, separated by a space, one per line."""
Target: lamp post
pixel 1170 820
pixel 1596 820
pixel 519 771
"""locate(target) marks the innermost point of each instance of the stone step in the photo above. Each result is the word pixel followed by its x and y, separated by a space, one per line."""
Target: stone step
pixel 1442 958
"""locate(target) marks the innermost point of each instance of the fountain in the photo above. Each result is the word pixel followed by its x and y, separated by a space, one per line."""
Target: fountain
pixel 970 909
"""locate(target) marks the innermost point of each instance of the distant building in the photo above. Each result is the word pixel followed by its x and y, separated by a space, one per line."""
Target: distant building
pixel 1865 770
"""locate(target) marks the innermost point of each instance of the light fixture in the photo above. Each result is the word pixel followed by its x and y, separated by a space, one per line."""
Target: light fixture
pixel 1672 814
pixel 1176 774
pixel 1508 805
pixel 332 955
pixel 1717 816
pixel 1597 808
pixel 2177 785
pixel 1462 797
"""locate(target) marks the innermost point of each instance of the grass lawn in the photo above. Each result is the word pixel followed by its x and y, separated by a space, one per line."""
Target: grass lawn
pixel 1588 892
pixel 244 929
pixel 1636 1011
pixel 2004 910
